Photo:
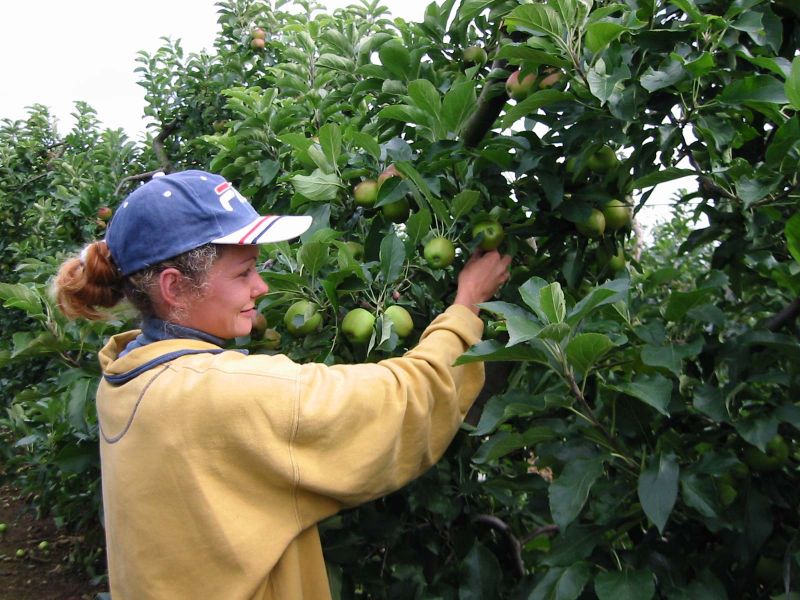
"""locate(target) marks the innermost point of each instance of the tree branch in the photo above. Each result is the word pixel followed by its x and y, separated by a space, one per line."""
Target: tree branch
pixel 158 143
pixel 137 177
pixel 784 317
pixel 516 547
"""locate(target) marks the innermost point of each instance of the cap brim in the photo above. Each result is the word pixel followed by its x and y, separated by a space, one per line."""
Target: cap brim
pixel 265 230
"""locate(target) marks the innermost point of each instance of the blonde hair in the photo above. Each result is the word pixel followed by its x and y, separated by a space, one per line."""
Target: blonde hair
pixel 87 283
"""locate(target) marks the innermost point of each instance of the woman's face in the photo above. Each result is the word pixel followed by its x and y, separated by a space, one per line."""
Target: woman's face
pixel 227 306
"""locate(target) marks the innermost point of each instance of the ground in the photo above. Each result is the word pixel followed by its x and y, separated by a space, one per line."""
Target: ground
pixel 41 573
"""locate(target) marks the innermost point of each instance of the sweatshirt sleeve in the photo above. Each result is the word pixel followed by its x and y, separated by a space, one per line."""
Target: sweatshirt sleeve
pixel 366 430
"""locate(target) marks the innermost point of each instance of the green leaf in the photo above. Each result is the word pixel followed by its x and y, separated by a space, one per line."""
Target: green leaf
pixel 755 88
pixel 533 103
pixel 464 202
pixel 658 489
pixel 668 174
pixel 655 390
pixel 396 58
pixel 710 401
pixel 317 187
pixel 551 300
pixel 792 233
pixel 625 585
pixel 18 295
pixel 562 583
pixel 532 56
pixel 505 442
pixel 601 34
pixel 81 394
pixel 367 142
pixel 501 408
pixel 689 7
pixel 313 256
pixel 608 293
pixel 521 329
pixel 426 97
pixel 585 349
pixel 330 138
pixel 604 84
pixel 480 574
pixel 758 431
pixel 700 494
pixel 267 170
pixel 439 209
pixel 405 113
pixel 670 356
pixel 654 80
pixel 530 291
pixel 537 18
pixel 491 350
pixel 418 225
pixel 472 8
pixel 784 143
pixel 392 257
pixel 679 303
pixel 569 491
pixel 459 103
pixel 792 85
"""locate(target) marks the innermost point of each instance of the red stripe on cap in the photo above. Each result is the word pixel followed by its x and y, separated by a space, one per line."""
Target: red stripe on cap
pixel 222 187
pixel 253 228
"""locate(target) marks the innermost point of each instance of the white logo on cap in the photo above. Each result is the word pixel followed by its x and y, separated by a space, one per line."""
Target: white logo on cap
pixel 226 193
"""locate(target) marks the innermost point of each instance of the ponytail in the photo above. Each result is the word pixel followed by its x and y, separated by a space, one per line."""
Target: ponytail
pixel 86 283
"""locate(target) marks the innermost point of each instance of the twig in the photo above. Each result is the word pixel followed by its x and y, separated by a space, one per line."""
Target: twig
pixel 158 143
pixel 543 530
pixel 785 316
pixel 516 547
pixel 137 177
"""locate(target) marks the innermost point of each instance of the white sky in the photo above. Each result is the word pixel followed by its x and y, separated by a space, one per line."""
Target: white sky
pixel 56 52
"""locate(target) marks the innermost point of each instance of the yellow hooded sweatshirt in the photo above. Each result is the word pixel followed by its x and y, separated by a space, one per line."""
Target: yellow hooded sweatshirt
pixel 217 466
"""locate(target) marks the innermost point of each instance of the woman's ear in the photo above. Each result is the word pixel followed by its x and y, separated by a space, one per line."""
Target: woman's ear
pixel 170 288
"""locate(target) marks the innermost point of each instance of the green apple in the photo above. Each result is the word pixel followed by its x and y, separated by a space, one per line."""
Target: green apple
pixel 20 553
pixel 43 545
pixel 773 459
pixel 259 325
pixel 490 232
pixel 366 192
pixel 271 339
pixel 357 325
pixel 519 90
pixel 618 215
pixel 396 212
pixel 594 225
pixel 3 527
pixel 613 262
pixel 439 252
pixel 354 249
pixel 475 55
pixel 603 160
pixel 302 318
pixel 403 324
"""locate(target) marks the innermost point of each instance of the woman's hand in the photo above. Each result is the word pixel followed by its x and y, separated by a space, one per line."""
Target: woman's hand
pixel 481 277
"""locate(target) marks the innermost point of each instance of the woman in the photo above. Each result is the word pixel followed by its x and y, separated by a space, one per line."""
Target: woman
pixel 216 465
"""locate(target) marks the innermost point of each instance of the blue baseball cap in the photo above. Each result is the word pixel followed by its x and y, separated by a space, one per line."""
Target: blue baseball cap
pixel 172 214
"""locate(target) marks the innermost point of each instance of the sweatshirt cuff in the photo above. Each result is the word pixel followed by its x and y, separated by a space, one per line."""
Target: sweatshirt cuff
pixel 473 324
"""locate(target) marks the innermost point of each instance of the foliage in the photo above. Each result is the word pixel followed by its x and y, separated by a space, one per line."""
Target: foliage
pixel 620 448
